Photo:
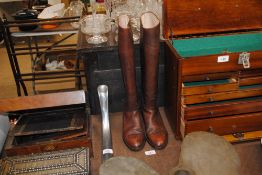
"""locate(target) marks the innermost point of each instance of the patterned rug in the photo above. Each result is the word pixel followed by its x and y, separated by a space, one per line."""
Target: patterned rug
pixel 64 162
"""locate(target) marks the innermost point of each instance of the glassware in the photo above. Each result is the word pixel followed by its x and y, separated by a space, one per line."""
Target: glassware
pixel 75 9
pixel 93 7
pixel 108 6
pixel 95 25
pixel 132 8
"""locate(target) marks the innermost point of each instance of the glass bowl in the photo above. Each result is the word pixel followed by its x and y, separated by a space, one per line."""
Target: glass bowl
pixel 96 26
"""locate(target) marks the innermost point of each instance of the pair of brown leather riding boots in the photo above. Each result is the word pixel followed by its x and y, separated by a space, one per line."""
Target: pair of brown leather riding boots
pixel 150 127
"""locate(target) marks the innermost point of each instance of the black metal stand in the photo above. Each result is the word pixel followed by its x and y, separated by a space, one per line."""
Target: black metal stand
pixel 11 31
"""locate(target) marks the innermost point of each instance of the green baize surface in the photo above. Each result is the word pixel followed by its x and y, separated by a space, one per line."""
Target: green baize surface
pixel 218 44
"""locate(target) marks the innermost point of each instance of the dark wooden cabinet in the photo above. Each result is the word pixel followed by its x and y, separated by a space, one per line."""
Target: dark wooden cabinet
pixel 102 66
pixel 226 102
pixel 213 67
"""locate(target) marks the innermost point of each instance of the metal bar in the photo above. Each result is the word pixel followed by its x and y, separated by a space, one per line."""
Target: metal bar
pixel 64 20
pixel 34 62
pixel 6 37
pixel 56 72
pixel 36 46
pixel 44 47
pixel 41 52
pixel 29 43
pixel 58 42
pixel 40 23
pixel 15 63
pixel 107 151
pixel 43 33
pixel 78 81
pixel 47 78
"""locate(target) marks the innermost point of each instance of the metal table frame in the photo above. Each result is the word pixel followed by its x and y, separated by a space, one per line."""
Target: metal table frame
pixel 10 31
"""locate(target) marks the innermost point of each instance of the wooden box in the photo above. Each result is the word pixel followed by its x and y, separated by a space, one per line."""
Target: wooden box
pixel 214 67
pixel 48 122
pixel 69 161
pixel 102 66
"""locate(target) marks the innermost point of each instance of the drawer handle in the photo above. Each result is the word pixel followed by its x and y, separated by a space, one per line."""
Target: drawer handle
pixel 210 90
pixel 210 99
pixel 244 59
pixel 210 129
pixel 207 78
pixel 211 113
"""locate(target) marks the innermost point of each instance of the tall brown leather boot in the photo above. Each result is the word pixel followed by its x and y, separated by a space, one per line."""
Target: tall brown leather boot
pixel 133 129
pixel 155 130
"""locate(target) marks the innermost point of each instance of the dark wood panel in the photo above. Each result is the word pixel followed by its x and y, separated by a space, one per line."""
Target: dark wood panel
pixel 49 122
pixel 185 17
pixel 51 146
pixel 209 64
pixel 250 77
pixel 193 99
pixel 250 81
pixel 222 109
pixel 42 101
pixel 227 125
pixel 173 88
pixel 21 145
pixel 250 73
pixel 207 89
pixel 206 77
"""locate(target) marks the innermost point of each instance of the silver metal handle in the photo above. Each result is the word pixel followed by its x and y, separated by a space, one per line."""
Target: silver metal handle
pixel 107 151
pixel 244 59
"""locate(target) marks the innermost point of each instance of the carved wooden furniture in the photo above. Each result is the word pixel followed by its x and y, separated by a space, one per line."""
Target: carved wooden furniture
pixel 214 67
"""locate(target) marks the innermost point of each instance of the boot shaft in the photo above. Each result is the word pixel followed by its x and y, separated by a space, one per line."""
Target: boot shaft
pixel 127 60
pixel 150 31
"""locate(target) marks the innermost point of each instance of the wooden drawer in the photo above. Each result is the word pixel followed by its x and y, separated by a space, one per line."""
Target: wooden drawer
pixel 250 77
pixel 207 87
pixel 250 73
pixel 210 64
pixel 207 77
pixel 241 106
pixel 48 142
pixel 203 98
pixel 28 137
pixel 250 81
pixel 83 141
pixel 226 125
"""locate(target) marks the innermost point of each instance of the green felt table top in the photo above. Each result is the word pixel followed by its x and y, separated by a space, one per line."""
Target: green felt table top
pixel 218 44
pixel 205 83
